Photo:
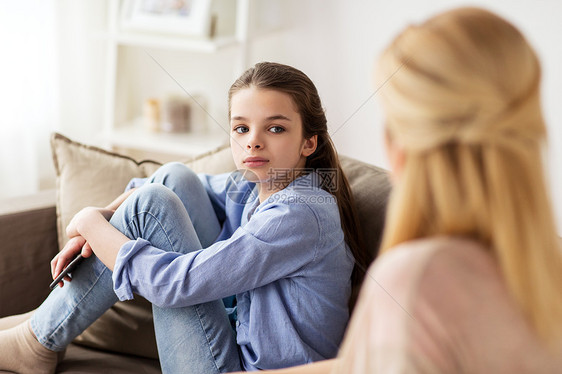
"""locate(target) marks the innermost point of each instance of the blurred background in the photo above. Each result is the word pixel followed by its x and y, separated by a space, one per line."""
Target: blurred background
pixel 122 75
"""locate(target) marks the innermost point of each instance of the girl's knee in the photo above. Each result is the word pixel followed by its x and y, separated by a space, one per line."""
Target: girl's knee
pixel 154 191
pixel 175 174
pixel 151 194
pixel 153 198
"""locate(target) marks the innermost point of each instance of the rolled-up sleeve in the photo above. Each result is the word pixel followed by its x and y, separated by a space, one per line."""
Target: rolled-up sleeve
pixel 121 279
pixel 275 243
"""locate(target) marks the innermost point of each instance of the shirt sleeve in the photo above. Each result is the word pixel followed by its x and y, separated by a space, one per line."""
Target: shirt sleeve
pixel 274 244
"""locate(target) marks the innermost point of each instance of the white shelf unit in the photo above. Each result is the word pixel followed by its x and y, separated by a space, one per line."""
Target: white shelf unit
pixel 157 41
pixel 127 131
pixel 135 138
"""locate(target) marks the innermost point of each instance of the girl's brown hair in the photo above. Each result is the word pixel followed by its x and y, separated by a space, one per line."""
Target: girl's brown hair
pixel 286 79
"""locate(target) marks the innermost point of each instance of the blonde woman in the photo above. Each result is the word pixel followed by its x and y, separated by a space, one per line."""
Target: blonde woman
pixel 470 276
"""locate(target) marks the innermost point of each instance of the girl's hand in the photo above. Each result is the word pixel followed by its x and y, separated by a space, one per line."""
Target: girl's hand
pixel 71 249
pixel 82 217
pixel 92 232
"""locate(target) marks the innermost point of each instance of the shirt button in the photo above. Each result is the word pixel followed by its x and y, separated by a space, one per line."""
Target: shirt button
pixel 237 323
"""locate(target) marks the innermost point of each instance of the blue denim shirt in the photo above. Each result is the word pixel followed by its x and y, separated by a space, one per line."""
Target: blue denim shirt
pixel 285 260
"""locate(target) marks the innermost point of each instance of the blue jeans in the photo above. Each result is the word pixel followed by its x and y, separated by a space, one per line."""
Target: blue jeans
pixel 172 211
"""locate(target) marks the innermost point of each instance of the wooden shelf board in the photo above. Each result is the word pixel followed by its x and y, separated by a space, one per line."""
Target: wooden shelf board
pixel 170 42
pixel 135 136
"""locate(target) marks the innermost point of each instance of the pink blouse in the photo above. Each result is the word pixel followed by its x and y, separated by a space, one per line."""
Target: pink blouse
pixel 440 305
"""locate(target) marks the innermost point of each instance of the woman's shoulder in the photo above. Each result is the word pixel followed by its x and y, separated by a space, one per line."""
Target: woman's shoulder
pixel 441 304
pixel 424 264
pixel 443 252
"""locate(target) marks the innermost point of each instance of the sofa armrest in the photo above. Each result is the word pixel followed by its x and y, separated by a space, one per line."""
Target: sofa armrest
pixel 28 241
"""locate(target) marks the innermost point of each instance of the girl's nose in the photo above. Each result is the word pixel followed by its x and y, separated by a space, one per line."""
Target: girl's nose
pixel 254 142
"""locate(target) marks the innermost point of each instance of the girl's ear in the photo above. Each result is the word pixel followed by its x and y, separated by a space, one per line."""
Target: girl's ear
pixel 309 146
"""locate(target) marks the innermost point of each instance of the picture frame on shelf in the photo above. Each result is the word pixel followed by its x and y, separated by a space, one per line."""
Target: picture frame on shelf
pixel 173 17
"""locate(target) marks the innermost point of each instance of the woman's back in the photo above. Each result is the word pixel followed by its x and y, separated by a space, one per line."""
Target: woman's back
pixel 440 305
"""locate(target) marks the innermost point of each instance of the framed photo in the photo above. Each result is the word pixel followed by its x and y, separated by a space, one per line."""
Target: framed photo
pixel 179 17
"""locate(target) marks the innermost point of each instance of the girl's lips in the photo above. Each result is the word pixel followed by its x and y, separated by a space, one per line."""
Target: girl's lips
pixel 253 162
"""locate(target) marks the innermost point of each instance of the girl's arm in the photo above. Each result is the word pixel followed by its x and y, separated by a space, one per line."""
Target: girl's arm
pixel 119 200
pixel 89 234
pixel 93 225
pixel 276 243
pixel 80 244
pixel 90 230
pixel 319 367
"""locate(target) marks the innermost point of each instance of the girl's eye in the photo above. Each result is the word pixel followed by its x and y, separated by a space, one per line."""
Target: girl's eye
pixel 276 129
pixel 241 129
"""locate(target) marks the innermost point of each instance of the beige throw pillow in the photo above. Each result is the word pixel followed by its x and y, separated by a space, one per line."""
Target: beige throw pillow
pixel 90 176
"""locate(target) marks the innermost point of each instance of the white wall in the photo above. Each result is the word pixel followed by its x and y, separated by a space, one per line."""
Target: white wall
pixel 28 95
pixel 81 51
pixel 335 42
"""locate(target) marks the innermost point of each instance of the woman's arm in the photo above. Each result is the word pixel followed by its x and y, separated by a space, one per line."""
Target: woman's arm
pixel 319 367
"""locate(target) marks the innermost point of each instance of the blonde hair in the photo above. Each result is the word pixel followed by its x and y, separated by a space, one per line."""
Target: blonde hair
pixel 463 103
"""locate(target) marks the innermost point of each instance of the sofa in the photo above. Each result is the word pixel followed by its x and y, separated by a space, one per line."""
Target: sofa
pixel 32 231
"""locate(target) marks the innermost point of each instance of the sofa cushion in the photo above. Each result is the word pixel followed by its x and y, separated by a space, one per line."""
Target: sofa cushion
pixel 82 360
pixel 371 187
pixel 90 176
pixel 29 242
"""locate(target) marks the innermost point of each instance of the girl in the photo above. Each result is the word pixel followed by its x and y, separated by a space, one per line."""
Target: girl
pixel 275 239
pixel 471 255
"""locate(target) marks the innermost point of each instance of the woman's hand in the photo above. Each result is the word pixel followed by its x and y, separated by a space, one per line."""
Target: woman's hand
pixel 71 249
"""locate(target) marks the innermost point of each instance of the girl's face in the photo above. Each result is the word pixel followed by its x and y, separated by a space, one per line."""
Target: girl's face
pixel 267 137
